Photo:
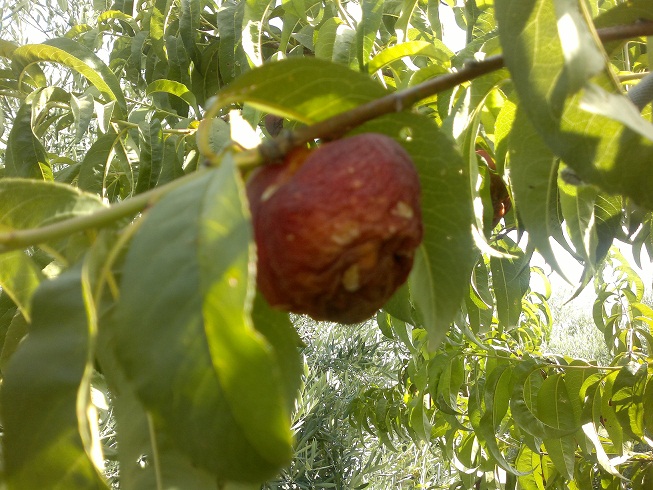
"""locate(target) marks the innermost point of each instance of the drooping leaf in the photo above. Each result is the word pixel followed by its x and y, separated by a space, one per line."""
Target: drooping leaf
pixel 82 109
pixel 78 58
pixel 174 88
pixel 19 278
pixel 186 292
pixel 56 447
pixel 573 99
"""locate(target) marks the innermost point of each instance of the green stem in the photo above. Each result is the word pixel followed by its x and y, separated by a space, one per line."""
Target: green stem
pixel 17 239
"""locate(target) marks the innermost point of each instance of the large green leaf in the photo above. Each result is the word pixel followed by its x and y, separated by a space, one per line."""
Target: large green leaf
pixel 533 179
pixel 48 436
pixel 573 100
pixel 443 263
pixel 554 409
pixel 211 383
pixel 78 58
pixel 308 90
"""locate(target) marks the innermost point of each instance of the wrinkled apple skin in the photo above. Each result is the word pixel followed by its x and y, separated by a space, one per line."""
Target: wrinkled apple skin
pixel 336 228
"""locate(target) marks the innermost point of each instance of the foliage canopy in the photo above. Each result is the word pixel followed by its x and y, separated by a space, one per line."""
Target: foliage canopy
pixel 127 261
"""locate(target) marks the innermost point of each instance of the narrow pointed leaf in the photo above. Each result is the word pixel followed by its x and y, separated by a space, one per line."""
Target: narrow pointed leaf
pixel 45 448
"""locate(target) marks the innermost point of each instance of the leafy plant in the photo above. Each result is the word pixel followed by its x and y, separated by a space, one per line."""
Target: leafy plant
pixel 127 255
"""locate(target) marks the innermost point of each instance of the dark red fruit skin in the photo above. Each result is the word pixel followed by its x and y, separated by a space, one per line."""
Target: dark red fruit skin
pixel 336 228
pixel 501 202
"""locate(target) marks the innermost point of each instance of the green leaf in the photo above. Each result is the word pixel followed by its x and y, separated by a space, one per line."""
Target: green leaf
pixel 554 409
pixel 19 278
pixel 254 14
pixel 326 38
pixel 628 398
pixel 174 88
pixel 530 464
pixel 510 278
pixel 527 382
pixel 25 155
pixel 574 379
pixel 26 203
pixel 533 179
pixel 367 29
pixel 609 417
pixel 305 89
pixel 204 355
pixel 583 117
pixel 577 204
pixel 150 139
pixel 593 404
pixel 53 447
pixel 78 58
pixel 410 48
pixel 189 26
pixel 82 109
pixel 231 57
pixel 95 166
pixel 486 427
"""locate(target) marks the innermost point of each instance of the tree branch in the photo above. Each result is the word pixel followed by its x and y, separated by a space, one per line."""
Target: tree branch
pixel 274 149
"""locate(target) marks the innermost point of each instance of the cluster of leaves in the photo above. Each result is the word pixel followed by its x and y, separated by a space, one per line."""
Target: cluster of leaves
pixel 123 256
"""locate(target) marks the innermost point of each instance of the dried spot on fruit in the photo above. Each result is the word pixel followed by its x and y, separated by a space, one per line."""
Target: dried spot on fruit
pixel 352 208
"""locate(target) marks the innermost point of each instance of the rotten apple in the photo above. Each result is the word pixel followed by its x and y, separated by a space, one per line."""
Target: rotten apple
pixel 336 228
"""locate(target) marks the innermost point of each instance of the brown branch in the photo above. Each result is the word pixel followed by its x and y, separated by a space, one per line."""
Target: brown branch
pixel 274 149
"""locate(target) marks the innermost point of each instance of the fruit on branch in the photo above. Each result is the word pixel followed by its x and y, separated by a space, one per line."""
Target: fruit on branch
pixel 501 202
pixel 336 228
